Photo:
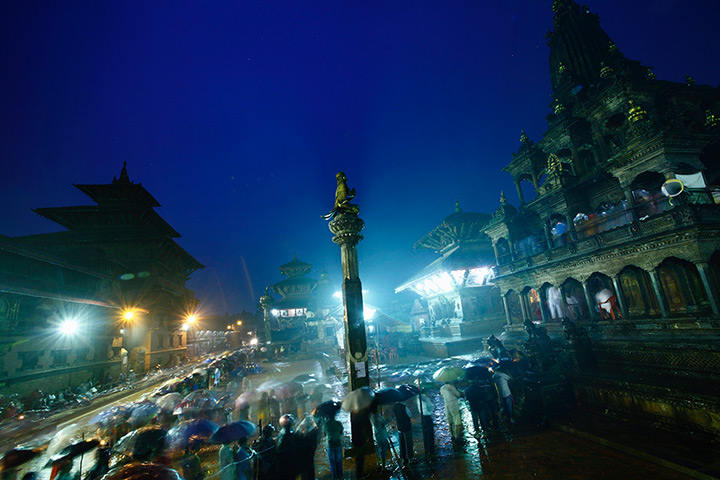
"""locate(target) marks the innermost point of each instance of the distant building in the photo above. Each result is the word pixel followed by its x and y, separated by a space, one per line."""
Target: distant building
pixel 622 232
pixel 117 273
pixel 459 303
pixel 306 315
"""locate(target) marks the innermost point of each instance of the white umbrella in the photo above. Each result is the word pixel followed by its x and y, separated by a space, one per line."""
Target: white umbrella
pixel 427 404
pixel 358 400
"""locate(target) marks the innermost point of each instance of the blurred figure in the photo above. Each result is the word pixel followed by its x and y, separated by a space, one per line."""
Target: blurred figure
pixel 382 439
pixel 334 433
pixel 451 395
pixel 190 464
pixel 102 465
pixel 287 449
pixel 506 401
pixel 226 458
pixel 274 407
pixel 266 454
pixel 482 399
pixel 263 409
pixel 307 441
pixel 428 426
pixel 402 419
pixel 243 459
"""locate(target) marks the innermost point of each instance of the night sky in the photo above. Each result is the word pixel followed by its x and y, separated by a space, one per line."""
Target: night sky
pixel 236 115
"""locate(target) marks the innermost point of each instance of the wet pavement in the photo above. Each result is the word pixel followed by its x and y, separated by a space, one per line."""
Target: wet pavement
pixel 516 451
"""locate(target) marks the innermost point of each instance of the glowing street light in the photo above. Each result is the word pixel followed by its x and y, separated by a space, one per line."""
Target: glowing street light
pixel 191 319
pixel 185 326
pixel 254 341
pixel 128 315
pixel 239 322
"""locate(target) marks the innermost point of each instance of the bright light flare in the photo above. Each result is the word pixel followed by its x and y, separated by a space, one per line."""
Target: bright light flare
pixel 128 315
pixel 337 294
pixel 185 327
pixel 191 319
pixel 254 341
pixel 368 313
pixel 69 327
pixel 275 312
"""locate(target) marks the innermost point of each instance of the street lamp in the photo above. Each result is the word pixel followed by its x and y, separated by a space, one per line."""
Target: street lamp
pixel 128 315
pixel 69 327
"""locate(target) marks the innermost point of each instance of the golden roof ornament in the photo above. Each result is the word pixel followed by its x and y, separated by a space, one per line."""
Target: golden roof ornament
pixel 605 71
pixel 503 199
pixel 523 136
pixel 689 81
pixel 612 48
pixel 710 119
pixel 558 108
pixel 554 164
pixel 650 75
pixel 561 68
pixel 636 112
pixel 458 208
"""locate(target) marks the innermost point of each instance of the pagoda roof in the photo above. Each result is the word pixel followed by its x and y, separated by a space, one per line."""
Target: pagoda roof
pixel 295 267
pixel 119 193
pixel 116 217
pixel 459 257
pixel 300 283
pixel 456 228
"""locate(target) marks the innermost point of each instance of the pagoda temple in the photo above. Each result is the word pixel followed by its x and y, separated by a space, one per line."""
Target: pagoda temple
pixel 463 304
pixel 141 269
pixel 305 316
pixel 614 250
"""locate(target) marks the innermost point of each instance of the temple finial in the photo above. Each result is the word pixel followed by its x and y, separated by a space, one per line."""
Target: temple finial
pixel 458 208
pixel 523 136
pixel 503 199
pixel 124 178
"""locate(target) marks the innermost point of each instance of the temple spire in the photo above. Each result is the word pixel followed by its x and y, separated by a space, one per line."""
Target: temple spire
pixel 124 178
pixel 458 208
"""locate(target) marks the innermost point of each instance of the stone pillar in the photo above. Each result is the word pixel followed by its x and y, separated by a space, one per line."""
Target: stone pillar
pixel 659 293
pixel 548 235
pixel 520 194
pixel 631 204
pixel 591 303
pixel 711 289
pixel 620 296
pixel 266 302
pixel 346 227
pixel 523 307
pixel 506 305
pixel 572 233
pixel 543 306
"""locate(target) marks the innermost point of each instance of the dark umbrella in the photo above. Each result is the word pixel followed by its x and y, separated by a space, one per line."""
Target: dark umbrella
pixel 233 432
pixel 476 372
pixel 137 441
pixel 16 457
pixel 386 396
pixel 305 378
pixel 143 471
pixel 289 389
pixel 407 391
pixel 188 432
pixel 143 413
pixel 327 409
pixel 76 449
pixel 111 416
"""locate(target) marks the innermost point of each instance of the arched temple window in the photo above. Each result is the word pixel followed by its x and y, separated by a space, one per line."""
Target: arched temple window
pixel 574 297
pixel 682 285
pixel 514 307
pixel 638 292
pixel 648 197
pixel 503 251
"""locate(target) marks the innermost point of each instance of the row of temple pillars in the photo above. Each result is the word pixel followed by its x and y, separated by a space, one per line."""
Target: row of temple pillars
pixel 709 285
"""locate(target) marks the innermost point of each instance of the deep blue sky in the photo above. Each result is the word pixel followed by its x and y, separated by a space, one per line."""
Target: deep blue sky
pixel 236 115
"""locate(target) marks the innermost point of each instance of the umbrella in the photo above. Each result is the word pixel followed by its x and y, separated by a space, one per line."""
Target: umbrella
pixel 358 400
pixel 233 432
pixel 327 409
pixel 142 413
pixel 289 389
pixel 407 391
pixel 199 371
pixel 448 374
pixel 169 402
pixel 16 457
pixel 189 432
pixel 137 471
pixel 386 396
pixel 484 361
pixel 76 449
pixel 197 401
pixel 427 405
pixel 247 398
pixel 137 441
pixel 305 378
pixel 476 372
pixel 111 416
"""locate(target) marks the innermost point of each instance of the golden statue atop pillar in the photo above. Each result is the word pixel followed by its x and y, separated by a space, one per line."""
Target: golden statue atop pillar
pixel 343 195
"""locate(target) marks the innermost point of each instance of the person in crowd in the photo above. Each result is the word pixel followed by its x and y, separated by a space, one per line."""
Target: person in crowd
pixel 404 426
pixel 226 458
pixel 243 460
pixel 482 399
pixel 287 449
pixel 266 454
pixel 190 464
pixel 274 407
pixel 451 395
pixel 382 439
pixel 501 380
pixel 334 433
pixel 308 440
pixel 263 410
pixel 428 426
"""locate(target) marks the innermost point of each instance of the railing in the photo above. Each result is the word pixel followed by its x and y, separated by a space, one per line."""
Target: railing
pixel 613 230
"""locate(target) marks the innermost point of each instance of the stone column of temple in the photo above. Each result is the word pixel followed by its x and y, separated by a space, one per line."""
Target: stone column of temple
pixel 572 233
pixel 591 304
pixel 708 282
pixel 631 204
pixel 520 194
pixel 620 296
pixel 346 228
pixel 524 307
pixel 548 235
pixel 659 293
pixel 543 306
pixel 266 302
pixel 506 305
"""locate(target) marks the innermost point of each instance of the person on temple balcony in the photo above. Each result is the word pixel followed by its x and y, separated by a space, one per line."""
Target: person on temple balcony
pixel 555 303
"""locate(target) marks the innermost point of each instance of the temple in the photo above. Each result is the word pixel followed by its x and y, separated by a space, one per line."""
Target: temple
pixel 306 315
pixel 618 237
pixel 116 275
pixel 459 305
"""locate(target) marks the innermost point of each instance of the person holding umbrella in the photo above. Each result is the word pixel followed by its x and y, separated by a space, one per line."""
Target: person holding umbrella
pixel 308 440
pixel 382 439
pixel 266 454
pixel 287 449
pixel 451 395
pixel 334 434
pixel 243 460
pixel 404 426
